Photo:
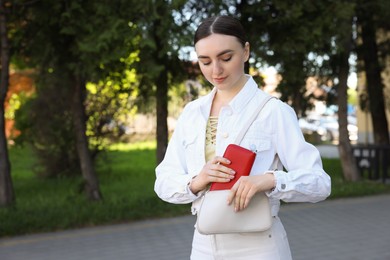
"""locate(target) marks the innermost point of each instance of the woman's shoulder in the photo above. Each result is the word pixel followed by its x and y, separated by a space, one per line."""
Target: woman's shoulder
pixel 274 105
pixel 191 106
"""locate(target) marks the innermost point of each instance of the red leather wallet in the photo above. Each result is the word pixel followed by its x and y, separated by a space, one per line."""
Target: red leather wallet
pixel 241 160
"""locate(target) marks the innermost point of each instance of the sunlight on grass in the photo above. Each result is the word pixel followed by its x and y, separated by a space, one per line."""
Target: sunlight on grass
pixel 126 177
pixel 145 145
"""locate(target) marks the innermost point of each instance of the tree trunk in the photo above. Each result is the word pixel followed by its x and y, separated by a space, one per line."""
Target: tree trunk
pixel 6 188
pixel 162 115
pixel 160 39
pixel 374 80
pixel 86 163
pixel 348 161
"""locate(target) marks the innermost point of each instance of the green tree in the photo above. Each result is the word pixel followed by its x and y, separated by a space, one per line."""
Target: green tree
pixel 159 66
pixel 79 42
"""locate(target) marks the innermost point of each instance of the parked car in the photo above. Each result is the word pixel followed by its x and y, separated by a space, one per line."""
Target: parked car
pixel 312 130
pixel 327 127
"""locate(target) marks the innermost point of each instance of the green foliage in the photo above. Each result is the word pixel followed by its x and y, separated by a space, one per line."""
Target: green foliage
pixel 159 46
pixel 15 102
pixel 46 125
pixel 79 42
pixel 82 36
pixel 109 105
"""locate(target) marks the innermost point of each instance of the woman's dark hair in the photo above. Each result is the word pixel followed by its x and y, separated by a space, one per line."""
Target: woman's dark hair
pixel 226 25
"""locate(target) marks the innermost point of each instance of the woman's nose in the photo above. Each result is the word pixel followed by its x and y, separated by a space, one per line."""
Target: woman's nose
pixel 217 68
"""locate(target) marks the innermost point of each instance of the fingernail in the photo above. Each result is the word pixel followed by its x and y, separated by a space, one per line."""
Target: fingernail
pixel 233 171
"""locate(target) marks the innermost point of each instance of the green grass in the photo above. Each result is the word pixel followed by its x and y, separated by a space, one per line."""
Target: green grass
pixel 126 176
pixel 126 179
pixel 342 188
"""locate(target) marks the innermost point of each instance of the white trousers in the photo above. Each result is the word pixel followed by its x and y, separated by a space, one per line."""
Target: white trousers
pixel 268 245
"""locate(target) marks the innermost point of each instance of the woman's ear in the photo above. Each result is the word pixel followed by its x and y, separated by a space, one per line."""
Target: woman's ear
pixel 246 51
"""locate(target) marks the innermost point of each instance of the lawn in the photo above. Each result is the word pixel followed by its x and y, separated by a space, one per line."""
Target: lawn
pixel 126 176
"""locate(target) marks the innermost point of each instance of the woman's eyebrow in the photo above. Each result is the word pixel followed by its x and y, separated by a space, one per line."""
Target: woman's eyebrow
pixel 219 54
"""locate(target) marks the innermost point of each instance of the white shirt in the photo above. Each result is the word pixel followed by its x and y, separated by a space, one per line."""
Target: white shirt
pixel 275 131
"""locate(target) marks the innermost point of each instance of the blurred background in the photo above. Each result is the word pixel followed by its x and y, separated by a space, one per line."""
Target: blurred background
pixel 90 92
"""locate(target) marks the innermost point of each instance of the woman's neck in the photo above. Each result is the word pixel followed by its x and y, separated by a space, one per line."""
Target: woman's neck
pixel 223 97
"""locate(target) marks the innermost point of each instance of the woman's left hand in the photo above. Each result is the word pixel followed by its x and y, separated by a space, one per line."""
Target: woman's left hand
pixel 247 186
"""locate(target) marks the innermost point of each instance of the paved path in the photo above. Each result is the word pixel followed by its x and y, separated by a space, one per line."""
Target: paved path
pixel 345 229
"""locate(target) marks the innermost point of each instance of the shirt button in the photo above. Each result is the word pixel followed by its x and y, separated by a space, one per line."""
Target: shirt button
pixel 225 135
pixel 283 186
pixel 252 147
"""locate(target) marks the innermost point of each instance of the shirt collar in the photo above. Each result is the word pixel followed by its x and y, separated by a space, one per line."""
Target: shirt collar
pixel 244 96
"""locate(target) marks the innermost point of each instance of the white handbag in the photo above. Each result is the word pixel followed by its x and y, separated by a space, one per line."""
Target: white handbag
pixel 215 216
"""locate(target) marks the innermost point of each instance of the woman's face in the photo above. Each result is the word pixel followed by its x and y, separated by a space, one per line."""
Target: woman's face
pixel 221 60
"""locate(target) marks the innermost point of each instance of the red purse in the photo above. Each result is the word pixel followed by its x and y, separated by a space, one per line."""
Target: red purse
pixel 241 161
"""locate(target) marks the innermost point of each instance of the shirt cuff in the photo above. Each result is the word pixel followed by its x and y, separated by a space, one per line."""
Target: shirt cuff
pixel 280 183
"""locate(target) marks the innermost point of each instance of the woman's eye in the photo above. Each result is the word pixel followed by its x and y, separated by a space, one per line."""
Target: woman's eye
pixel 205 62
pixel 227 59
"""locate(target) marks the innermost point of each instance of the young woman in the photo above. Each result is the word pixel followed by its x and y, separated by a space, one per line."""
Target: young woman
pixel 207 125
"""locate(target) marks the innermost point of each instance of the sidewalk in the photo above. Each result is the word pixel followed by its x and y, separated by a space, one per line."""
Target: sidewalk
pixel 345 229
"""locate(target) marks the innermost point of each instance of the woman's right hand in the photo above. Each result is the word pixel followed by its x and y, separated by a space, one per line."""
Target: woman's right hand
pixel 213 171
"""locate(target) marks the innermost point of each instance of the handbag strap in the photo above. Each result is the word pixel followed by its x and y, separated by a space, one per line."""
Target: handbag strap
pixel 251 119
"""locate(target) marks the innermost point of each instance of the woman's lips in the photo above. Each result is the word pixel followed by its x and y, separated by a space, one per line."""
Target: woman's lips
pixel 219 80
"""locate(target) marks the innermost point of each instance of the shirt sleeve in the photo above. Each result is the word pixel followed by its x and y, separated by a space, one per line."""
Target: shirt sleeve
pixel 172 178
pixel 304 179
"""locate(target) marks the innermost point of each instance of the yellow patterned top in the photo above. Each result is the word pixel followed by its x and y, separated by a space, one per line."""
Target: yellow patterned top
pixel 211 131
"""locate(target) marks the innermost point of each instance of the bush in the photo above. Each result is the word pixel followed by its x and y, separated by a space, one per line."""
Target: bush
pixel 45 122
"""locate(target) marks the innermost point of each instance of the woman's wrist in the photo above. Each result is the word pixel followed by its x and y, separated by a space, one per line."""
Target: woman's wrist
pixel 271 180
pixel 192 185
